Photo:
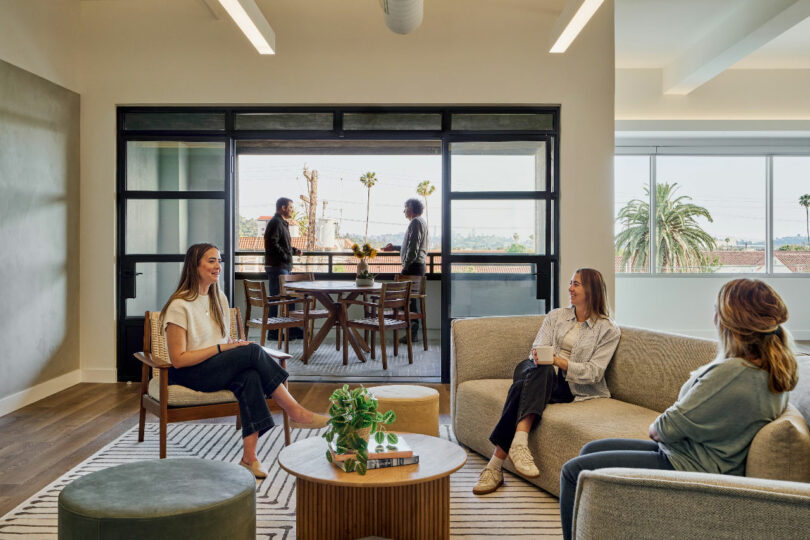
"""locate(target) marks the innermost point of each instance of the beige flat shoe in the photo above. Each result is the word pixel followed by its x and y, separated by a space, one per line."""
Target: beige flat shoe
pixel 489 480
pixel 256 468
pixel 318 421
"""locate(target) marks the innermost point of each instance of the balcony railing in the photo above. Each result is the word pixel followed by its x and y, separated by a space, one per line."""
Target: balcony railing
pixel 334 264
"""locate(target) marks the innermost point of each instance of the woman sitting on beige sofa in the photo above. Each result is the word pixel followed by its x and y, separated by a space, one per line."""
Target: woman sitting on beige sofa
pixel 583 338
pixel 720 408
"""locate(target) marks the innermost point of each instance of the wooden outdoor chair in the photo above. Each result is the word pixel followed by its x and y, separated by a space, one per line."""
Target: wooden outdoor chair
pixel 394 299
pixel 256 296
pixel 418 292
pixel 314 313
pixel 176 403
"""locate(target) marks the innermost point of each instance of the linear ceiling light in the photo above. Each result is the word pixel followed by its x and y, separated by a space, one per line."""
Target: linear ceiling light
pixel 249 18
pixel 582 11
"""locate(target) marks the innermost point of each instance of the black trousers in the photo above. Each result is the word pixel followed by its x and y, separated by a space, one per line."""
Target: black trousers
pixel 248 372
pixel 533 388
pixel 414 269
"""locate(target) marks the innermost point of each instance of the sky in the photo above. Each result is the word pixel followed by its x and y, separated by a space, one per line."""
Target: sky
pixel 264 178
pixel 732 188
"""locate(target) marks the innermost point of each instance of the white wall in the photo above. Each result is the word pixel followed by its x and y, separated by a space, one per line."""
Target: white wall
pixel 685 305
pixel 338 52
pixel 42 36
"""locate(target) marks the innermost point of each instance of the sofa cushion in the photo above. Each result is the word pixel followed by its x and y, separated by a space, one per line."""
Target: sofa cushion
pixel 563 430
pixel 181 396
pixel 781 449
pixel 650 367
pixel 567 427
pixel 800 396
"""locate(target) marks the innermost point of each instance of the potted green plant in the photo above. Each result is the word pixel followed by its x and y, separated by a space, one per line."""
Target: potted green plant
pixel 353 418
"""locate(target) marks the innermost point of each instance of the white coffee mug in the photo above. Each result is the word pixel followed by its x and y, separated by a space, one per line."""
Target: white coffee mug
pixel 545 355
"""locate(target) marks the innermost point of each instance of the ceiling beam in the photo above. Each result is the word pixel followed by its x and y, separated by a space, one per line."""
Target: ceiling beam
pixel 744 31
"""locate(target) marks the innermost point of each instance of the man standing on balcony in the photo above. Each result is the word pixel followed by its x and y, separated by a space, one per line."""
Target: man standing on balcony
pixel 413 251
pixel 278 251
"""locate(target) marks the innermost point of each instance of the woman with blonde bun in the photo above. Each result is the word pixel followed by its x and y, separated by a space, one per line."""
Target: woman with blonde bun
pixel 720 408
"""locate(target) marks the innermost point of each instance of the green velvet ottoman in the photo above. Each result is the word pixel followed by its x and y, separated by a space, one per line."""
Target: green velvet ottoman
pixel 169 498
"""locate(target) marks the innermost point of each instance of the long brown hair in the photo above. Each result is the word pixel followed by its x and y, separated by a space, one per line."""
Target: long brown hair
pixel 594 285
pixel 189 286
pixel 749 323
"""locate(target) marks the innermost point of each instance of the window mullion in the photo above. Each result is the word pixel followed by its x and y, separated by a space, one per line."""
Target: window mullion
pixel 653 213
pixel 769 214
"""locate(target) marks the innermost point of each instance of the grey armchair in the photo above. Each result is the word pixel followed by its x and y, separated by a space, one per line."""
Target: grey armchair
pixel 638 503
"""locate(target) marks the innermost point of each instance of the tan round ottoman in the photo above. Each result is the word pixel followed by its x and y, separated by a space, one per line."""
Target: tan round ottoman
pixel 416 407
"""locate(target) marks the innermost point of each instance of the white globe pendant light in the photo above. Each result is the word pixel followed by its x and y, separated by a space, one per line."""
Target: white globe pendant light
pixel 402 16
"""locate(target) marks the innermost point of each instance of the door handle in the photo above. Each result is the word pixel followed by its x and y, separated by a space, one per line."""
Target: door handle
pixel 128 275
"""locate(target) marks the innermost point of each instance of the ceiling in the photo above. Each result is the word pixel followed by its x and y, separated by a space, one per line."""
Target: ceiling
pixel 654 34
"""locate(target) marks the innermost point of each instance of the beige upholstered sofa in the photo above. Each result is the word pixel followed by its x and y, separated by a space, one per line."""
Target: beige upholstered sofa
pixel 644 378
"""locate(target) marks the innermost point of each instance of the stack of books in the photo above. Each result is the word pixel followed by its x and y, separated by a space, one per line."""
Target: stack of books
pixel 380 456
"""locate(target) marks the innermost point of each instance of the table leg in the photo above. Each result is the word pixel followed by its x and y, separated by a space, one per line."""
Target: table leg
pixel 329 322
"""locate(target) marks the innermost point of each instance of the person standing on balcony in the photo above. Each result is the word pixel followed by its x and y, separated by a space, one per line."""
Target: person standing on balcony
pixel 413 252
pixel 278 251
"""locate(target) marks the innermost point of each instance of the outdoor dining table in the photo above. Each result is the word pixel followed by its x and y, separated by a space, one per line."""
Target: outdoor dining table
pixel 322 290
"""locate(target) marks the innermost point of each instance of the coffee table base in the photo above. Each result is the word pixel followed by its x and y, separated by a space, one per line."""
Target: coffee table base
pixel 402 512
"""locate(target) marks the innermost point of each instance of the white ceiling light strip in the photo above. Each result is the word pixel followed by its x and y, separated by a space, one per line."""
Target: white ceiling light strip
pixel 575 15
pixel 249 18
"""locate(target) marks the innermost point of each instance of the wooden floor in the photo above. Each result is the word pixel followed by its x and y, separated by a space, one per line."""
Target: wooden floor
pixel 42 441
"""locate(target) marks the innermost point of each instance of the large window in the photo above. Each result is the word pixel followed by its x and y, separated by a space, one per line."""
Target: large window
pixel 343 194
pixel 791 214
pixel 711 213
pixel 487 176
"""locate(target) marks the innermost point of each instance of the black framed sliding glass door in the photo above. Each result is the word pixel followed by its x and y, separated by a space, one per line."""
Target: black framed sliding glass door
pixel 172 192
pixel 500 239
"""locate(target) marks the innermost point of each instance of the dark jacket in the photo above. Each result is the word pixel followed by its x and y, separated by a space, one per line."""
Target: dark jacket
pixel 278 250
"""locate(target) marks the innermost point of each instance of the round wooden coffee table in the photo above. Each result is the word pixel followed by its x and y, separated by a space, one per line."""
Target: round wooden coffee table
pixel 410 501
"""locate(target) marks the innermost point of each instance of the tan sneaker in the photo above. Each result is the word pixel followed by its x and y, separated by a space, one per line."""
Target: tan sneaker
pixel 523 461
pixel 489 480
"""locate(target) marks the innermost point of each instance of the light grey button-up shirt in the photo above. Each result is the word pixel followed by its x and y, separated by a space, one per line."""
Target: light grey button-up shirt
pixel 593 349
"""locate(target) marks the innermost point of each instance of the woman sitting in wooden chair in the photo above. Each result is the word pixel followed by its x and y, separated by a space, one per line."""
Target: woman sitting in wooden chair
pixel 203 357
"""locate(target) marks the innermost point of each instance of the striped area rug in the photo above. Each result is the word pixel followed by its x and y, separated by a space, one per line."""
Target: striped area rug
pixel 518 509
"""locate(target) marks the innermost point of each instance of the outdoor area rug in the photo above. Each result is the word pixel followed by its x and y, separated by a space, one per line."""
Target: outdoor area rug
pixel 518 509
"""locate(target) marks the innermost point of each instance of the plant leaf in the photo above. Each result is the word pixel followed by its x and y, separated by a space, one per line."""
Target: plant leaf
pixel 379 437
pixel 329 456
pixel 392 438
pixel 389 417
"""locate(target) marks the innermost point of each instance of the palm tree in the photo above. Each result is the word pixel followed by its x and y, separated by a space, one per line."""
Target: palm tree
pixel 368 180
pixel 425 189
pixel 804 200
pixel 681 243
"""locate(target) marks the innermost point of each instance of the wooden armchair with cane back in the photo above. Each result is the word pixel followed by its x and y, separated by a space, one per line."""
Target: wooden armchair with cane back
pixel 175 403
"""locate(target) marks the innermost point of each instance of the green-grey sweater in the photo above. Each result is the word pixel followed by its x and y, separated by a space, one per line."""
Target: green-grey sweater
pixel 719 410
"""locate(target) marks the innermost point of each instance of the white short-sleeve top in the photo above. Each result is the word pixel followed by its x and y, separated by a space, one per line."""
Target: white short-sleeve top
pixel 195 318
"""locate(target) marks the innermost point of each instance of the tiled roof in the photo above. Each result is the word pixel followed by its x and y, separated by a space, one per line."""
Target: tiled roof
pixel 795 261
pixel 256 243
